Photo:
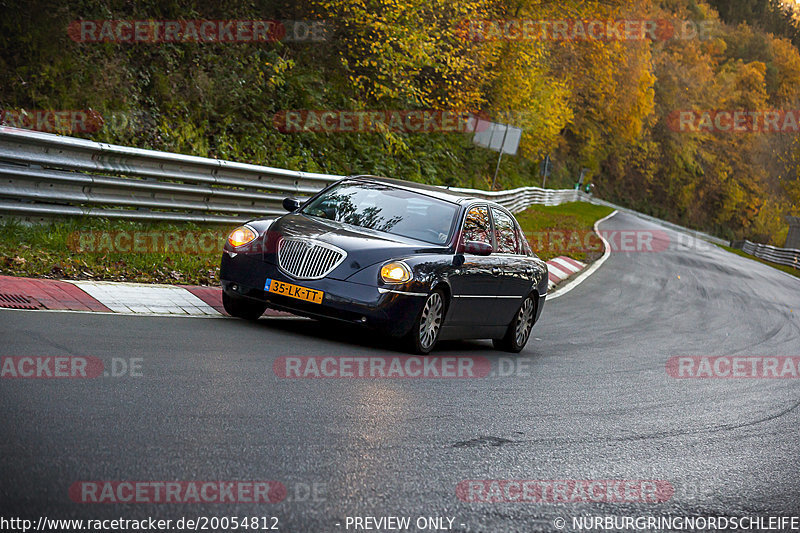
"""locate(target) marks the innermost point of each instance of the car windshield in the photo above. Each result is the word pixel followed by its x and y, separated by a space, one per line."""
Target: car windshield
pixel 384 208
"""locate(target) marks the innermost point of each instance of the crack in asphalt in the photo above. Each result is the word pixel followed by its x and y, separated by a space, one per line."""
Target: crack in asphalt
pixel 482 442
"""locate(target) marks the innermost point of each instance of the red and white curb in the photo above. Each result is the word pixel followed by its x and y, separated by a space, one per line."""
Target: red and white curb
pixel 146 299
pixel 114 297
pixel 109 297
pixel 28 293
pixel 561 268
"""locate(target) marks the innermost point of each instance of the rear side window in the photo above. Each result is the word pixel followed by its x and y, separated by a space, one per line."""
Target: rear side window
pixel 477 226
pixel 505 233
pixel 525 247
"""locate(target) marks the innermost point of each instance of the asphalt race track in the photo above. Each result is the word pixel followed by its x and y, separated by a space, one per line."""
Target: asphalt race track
pixel 588 399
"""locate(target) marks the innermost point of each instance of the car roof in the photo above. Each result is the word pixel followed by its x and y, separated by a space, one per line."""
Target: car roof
pixel 423 188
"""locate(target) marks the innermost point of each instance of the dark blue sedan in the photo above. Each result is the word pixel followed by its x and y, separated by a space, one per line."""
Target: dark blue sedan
pixel 414 261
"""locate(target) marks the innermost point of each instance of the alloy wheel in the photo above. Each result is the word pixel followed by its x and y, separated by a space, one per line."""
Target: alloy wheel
pixel 524 322
pixel 430 321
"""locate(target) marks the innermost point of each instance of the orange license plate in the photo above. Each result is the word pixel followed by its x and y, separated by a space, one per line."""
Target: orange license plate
pixel 293 291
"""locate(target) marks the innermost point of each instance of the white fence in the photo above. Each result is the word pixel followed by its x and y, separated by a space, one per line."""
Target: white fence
pixel 781 256
pixel 516 200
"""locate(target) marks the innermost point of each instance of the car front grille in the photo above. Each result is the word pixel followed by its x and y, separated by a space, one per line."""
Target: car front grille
pixel 307 259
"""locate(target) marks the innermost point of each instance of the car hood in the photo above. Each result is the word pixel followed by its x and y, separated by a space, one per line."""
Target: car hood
pixel 364 247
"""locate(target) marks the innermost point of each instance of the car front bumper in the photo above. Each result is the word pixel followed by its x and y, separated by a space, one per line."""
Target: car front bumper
pixel 390 311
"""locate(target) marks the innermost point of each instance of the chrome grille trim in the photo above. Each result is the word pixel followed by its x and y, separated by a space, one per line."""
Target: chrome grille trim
pixel 307 258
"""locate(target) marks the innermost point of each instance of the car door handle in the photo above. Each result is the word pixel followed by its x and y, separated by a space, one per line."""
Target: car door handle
pixel 496 271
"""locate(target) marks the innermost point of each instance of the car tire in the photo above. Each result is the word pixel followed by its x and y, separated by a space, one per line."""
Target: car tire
pixel 241 308
pixel 425 332
pixel 519 330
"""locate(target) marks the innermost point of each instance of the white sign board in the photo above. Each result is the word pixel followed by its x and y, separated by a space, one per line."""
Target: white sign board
pixel 497 137
pixel 483 133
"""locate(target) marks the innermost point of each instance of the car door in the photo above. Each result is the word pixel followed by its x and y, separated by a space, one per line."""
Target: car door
pixel 477 282
pixel 517 270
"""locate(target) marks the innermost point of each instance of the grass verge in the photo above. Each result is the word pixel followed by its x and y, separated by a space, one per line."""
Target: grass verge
pixel 566 229
pixel 113 250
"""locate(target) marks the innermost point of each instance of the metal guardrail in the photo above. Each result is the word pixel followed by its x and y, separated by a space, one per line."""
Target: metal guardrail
pixel 781 256
pixel 46 175
pixel 42 174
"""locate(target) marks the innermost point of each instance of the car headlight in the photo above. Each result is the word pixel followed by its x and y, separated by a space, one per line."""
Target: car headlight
pixel 241 236
pixel 395 272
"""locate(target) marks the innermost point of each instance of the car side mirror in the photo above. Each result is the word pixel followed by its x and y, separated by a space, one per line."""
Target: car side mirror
pixel 478 248
pixel 291 204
